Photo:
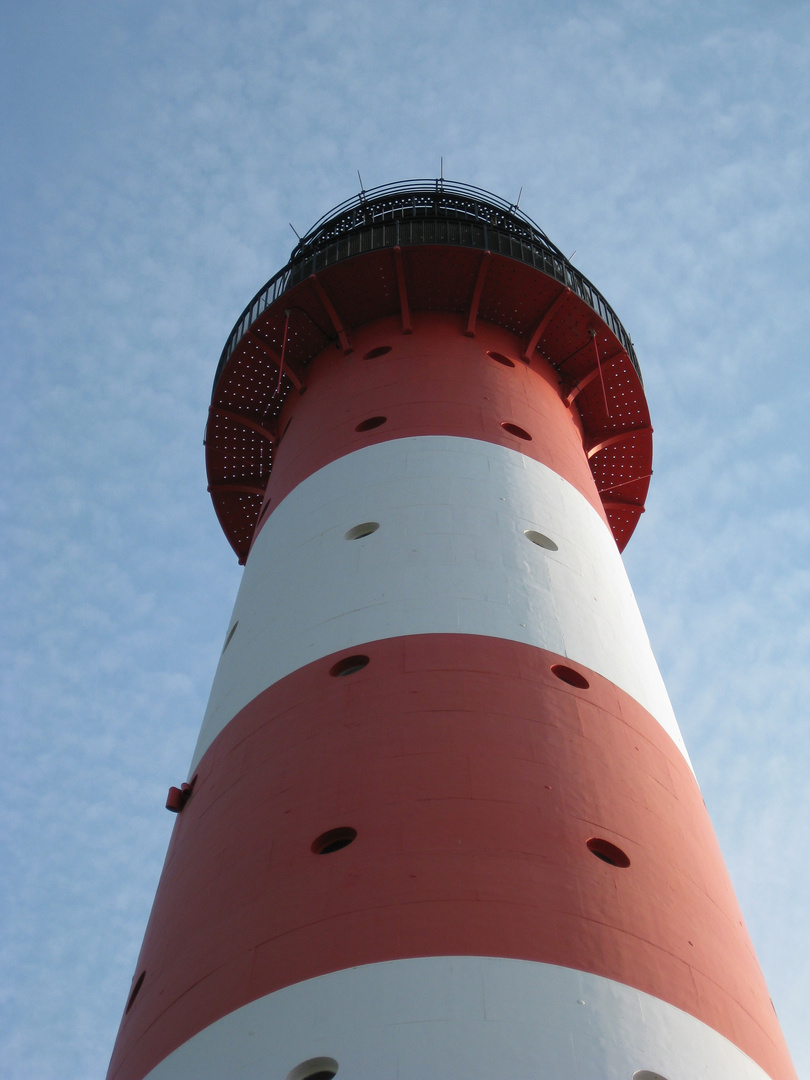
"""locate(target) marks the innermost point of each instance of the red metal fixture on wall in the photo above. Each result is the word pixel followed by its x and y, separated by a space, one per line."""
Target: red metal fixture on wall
pixel 443 820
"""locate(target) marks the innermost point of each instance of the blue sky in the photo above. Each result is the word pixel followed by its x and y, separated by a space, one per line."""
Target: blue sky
pixel 154 155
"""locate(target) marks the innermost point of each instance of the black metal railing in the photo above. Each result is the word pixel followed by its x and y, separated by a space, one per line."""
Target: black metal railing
pixel 424 212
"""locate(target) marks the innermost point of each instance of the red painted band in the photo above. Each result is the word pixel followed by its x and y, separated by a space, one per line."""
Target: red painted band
pixel 433 382
pixel 474 778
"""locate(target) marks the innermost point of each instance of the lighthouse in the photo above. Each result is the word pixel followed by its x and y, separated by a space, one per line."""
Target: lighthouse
pixel 440 822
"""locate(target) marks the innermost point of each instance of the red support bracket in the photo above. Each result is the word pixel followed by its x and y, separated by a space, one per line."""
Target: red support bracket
pixel 404 307
pixel 622 504
pixel 619 436
pixel 243 421
pixel 236 487
pixel 593 374
pixel 329 308
pixel 486 259
pixel 544 321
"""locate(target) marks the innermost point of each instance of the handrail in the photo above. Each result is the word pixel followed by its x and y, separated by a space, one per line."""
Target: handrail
pixel 412 212
pixel 441 196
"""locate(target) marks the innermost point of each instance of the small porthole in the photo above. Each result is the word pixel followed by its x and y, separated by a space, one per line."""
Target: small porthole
pixel 320 1068
pixel 518 432
pixel 381 350
pixel 500 358
pixel 540 539
pixel 371 423
pixel 334 840
pixel 568 675
pixel 348 665
pixel 231 632
pixel 607 852
pixel 134 992
pixel 645 1074
pixel 366 529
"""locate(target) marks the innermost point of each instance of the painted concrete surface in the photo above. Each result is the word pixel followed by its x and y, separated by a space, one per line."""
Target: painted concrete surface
pixel 481 1018
pixel 450 556
pixel 474 782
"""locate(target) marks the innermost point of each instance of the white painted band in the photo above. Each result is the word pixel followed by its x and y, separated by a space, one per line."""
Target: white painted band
pixel 481 1018
pixel 450 557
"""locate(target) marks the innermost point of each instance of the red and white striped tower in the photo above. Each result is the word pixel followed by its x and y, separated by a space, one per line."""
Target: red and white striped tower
pixel 440 821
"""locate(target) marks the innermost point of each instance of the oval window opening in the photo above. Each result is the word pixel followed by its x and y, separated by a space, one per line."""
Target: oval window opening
pixel 366 529
pixel 568 675
pixel 645 1074
pixel 334 840
pixel 609 853
pixel 518 432
pixel 371 423
pixel 381 350
pixel 320 1068
pixel 500 358
pixel 540 539
pixel 134 992
pixel 348 666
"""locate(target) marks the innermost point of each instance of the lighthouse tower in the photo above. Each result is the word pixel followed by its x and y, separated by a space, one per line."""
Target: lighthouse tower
pixel 440 822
